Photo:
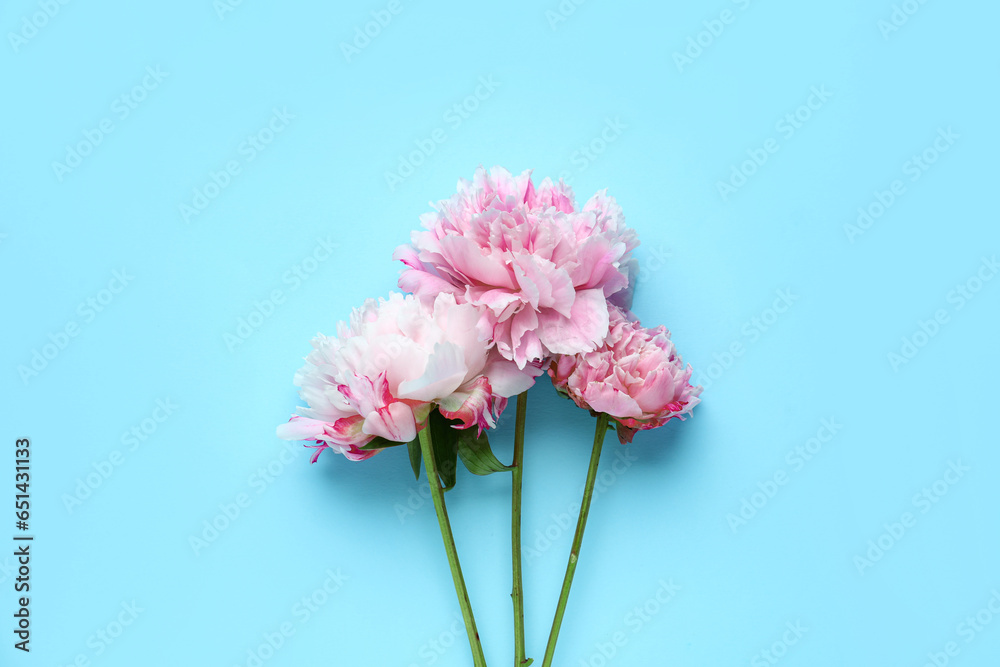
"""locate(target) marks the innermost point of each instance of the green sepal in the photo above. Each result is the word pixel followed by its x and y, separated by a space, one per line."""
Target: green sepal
pixel 415 456
pixel 476 454
pixel 380 443
pixel 445 441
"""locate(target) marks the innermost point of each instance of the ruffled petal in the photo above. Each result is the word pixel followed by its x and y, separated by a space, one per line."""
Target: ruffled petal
pixel 472 405
pixel 601 397
pixel 507 379
pixel 394 422
pixel 583 331
pixel 445 372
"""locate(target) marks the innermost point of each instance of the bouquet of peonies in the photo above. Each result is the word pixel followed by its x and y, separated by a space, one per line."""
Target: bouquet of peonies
pixel 506 280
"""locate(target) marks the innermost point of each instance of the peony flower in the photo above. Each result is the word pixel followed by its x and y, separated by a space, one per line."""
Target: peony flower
pixel 386 369
pixel 636 377
pixel 540 271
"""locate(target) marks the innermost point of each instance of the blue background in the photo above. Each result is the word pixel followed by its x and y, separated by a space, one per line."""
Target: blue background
pixel 595 93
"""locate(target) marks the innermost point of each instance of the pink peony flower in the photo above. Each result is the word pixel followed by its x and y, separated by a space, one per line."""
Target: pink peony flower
pixel 636 377
pixel 540 271
pixel 384 372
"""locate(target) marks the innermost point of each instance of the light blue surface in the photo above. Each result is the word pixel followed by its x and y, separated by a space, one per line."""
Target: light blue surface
pixel 662 133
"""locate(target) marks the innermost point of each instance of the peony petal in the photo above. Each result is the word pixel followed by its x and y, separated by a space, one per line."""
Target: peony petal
pixel 658 389
pixel 598 265
pixel 356 454
pixel 507 379
pixel 623 298
pixel 394 422
pixel 409 256
pixel 319 450
pixel 559 195
pixel 445 372
pixel 301 428
pixel 345 432
pixel 583 331
pixel 497 300
pixel 467 258
pixel 472 405
pixel 423 283
pixel 602 397
pixel 547 285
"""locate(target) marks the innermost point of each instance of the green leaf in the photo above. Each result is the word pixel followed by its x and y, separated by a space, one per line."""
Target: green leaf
pixel 381 443
pixel 527 662
pixel 476 453
pixel 415 457
pixel 445 441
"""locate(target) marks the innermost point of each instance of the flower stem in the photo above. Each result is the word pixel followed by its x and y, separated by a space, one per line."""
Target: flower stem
pixel 517 592
pixel 581 524
pixel 437 494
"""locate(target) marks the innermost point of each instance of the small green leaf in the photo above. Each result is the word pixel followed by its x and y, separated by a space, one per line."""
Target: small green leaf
pixel 380 443
pixel 527 662
pixel 415 457
pixel 445 441
pixel 476 453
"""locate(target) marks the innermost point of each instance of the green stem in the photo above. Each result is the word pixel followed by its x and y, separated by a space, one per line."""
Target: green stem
pixel 581 524
pixel 437 494
pixel 517 592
